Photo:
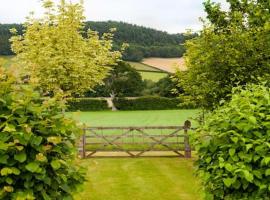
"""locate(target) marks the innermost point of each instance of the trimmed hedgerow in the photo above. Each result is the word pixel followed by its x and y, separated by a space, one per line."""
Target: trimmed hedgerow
pixel 147 103
pixel 87 104
pixel 233 147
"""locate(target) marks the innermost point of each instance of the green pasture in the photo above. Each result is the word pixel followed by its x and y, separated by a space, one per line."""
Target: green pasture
pixel 136 118
pixel 140 179
pixel 153 76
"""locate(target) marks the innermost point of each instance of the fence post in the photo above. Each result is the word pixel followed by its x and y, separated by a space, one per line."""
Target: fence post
pixel 83 154
pixel 187 126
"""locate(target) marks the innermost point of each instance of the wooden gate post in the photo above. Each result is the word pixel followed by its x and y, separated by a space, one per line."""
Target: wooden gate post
pixel 83 154
pixel 187 126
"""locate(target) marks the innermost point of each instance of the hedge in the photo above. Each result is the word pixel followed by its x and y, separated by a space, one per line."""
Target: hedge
pixel 147 103
pixel 87 104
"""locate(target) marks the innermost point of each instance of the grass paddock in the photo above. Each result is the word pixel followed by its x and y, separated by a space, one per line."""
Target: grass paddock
pixel 136 118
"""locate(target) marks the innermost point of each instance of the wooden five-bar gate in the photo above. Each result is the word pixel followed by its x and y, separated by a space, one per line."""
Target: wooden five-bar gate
pixel 136 141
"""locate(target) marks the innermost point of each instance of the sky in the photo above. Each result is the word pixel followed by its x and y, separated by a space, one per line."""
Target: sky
pixel 173 16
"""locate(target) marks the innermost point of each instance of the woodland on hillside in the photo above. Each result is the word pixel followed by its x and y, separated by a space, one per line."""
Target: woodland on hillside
pixel 143 42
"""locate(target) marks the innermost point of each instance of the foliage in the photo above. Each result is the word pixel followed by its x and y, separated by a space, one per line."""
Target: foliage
pixel 56 54
pixel 234 144
pixel 37 145
pixel 144 42
pixel 165 87
pixel 147 103
pixel 232 50
pixel 123 80
pixel 87 104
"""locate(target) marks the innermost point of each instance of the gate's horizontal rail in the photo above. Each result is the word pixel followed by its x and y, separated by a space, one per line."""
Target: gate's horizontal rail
pixel 134 143
pixel 141 139
pixel 134 127
pixel 133 136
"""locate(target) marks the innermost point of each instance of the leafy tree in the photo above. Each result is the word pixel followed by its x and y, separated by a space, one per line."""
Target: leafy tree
pixel 123 81
pixel 37 145
pixel 233 147
pixel 233 49
pixel 57 56
pixel 165 87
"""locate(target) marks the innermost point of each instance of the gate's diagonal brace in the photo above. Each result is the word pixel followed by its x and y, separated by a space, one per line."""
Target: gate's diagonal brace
pixel 158 141
pixel 111 142
pixel 161 142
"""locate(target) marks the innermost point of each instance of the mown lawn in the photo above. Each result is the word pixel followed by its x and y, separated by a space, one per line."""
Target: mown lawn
pixel 140 179
pixel 136 118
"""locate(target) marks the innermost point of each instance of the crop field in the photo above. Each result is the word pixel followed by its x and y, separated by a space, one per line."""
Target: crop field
pixel 140 179
pixel 153 76
pixel 143 67
pixel 166 64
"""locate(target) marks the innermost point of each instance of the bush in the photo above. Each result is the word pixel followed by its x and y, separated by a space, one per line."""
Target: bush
pixel 37 145
pixel 147 103
pixel 87 104
pixel 234 147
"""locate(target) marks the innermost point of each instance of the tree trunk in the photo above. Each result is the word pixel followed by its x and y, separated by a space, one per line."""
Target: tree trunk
pixel 112 94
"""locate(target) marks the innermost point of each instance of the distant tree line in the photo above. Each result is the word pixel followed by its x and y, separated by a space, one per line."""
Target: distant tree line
pixel 143 42
pixel 125 81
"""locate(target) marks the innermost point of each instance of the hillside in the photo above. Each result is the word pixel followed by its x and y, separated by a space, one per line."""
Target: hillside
pixel 144 42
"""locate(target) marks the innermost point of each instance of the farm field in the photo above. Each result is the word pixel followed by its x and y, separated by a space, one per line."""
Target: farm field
pixel 153 76
pixel 166 64
pixel 135 118
pixel 140 179
pixel 143 67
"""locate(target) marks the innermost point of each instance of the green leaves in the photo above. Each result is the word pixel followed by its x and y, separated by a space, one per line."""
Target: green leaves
pixel 267 172
pixel 236 159
pixel 54 140
pixel 10 170
pixel 33 167
pixel 76 65
pixel 55 164
pixel 232 152
pixel 21 157
pixel 228 181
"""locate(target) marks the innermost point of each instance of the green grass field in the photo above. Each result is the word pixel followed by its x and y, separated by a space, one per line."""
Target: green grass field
pixel 140 179
pixel 153 76
pixel 135 118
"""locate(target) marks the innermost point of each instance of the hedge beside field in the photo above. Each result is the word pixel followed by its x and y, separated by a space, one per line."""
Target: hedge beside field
pixel 147 103
pixel 87 104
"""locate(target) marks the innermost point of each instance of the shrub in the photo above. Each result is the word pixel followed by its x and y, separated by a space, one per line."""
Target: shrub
pixel 37 145
pixel 87 104
pixel 234 147
pixel 147 103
